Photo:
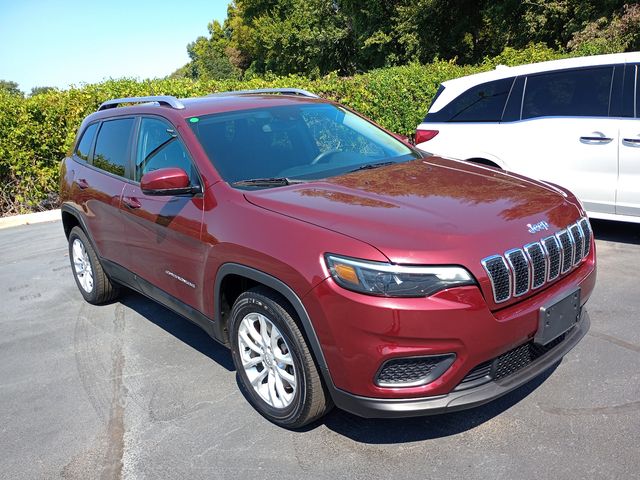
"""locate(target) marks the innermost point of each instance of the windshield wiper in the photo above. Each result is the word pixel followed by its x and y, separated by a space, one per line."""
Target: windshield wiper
pixel 371 166
pixel 266 182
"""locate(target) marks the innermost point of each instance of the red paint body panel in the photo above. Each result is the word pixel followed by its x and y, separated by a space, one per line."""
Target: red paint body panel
pixel 363 332
pixel 430 211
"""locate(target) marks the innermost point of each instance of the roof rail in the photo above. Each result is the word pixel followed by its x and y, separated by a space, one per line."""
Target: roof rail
pixel 263 91
pixel 165 100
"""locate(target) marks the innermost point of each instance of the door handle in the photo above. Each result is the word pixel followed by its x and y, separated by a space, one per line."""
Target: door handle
pixel 632 141
pixel 590 139
pixel 82 184
pixel 131 202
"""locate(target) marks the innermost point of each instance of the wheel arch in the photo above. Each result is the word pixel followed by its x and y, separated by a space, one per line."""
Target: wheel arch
pixel 71 217
pixel 256 277
pixel 485 161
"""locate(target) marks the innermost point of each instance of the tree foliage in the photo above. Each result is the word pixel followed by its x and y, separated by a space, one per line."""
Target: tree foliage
pixel 620 33
pixel 10 87
pixel 36 132
pixel 315 37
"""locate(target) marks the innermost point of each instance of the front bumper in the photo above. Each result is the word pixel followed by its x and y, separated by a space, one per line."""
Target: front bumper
pixel 369 407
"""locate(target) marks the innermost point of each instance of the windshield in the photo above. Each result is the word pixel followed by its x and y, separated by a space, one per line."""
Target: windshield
pixel 299 142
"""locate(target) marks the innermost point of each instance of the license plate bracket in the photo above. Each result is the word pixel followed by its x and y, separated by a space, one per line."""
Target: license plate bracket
pixel 557 318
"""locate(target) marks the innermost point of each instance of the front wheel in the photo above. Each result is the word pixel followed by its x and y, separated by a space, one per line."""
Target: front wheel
pixel 274 365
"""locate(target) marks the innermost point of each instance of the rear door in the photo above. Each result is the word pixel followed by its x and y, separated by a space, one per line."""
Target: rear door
pixel 163 232
pixel 565 134
pixel 100 182
pixel 628 198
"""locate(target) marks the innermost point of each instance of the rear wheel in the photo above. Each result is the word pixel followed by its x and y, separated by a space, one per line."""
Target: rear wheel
pixel 274 365
pixel 91 279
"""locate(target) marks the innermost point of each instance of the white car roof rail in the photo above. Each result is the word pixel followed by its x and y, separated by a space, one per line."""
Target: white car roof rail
pixel 268 91
pixel 165 100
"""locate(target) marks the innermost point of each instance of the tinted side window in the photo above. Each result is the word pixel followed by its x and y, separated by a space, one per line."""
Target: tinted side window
pixel 571 93
pixel 514 104
pixel 84 146
pixel 482 103
pixel 112 145
pixel 160 147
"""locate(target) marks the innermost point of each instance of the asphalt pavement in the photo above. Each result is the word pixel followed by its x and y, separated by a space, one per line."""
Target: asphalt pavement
pixel 131 390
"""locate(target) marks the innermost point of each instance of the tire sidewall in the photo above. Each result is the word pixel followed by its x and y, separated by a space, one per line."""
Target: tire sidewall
pixel 250 303
pixel 79 235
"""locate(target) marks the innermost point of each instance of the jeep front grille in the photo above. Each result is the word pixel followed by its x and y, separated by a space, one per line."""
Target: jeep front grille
pixel 536 264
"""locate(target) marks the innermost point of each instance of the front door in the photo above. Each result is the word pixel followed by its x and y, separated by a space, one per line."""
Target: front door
pixel 163 232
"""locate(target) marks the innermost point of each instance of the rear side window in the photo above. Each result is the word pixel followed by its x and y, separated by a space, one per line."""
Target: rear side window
pixel 112 146
pixel 160 147
pixel 84 146
pixel 482 103
pixel 570 93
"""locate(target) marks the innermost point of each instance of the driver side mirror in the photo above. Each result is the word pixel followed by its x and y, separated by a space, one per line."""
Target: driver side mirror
pixel 167 181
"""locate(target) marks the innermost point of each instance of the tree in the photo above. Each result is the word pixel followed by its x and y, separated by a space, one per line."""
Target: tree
pixel 10 87
pixel 620 33
pixel 209 55
pixel 40 90
pixel 316 37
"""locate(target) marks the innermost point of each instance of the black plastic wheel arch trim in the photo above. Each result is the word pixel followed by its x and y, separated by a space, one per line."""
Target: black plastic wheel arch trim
pixel 284 290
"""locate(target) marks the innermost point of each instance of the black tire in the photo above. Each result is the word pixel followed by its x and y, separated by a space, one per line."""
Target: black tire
pixel 311 400
pixel 103 289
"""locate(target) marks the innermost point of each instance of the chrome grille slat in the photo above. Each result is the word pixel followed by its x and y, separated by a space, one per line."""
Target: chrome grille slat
pixel 586 230
pixel 568 249
pixel 500 277
pixel 578 240
pixel 539 264
pixel 521 273
pixel 554 254
pixel 520 270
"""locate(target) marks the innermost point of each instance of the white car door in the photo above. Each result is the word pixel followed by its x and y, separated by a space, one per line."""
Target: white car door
pixel 580 154
pixel 628 198
pixel 628 194
pixel 565 135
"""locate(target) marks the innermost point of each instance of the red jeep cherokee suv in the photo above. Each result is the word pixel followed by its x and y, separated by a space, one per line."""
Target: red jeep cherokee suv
pixel 339 264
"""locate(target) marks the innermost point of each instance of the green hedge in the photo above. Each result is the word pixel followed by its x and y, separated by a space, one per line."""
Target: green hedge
pixel 37 132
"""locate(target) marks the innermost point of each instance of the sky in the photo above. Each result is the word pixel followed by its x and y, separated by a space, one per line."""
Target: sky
pixel 70 42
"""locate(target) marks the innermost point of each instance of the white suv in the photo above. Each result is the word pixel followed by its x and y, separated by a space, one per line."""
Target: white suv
pixel 574 122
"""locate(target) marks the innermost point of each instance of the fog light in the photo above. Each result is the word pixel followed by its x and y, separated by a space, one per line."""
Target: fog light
pixel 413 371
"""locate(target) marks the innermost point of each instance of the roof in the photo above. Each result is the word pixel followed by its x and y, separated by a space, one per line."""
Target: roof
pixel 199 106
pixel 455 87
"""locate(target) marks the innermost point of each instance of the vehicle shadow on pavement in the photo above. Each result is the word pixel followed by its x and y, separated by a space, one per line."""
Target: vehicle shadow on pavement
pixel 622 232
pixel 179 327
pixel 403 430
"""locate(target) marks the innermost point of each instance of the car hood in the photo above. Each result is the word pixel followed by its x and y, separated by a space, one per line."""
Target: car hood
pixel 428 211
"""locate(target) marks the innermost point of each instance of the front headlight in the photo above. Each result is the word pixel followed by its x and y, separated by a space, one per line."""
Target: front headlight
pixel 387 280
